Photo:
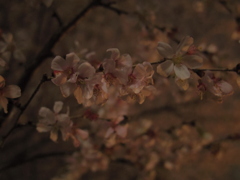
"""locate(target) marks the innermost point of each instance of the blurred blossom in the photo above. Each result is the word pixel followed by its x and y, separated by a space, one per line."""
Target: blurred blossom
pixel 216 86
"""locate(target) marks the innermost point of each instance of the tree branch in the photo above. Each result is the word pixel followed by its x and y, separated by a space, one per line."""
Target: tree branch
pixel 4 138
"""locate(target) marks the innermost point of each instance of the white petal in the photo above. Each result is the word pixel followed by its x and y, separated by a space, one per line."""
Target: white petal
pixel 192 61
pixel 165 50
pixel 165 68
pixel 57 106
pixel 181 71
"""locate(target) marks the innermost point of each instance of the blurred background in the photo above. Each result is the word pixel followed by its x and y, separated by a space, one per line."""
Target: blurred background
pixel 177 117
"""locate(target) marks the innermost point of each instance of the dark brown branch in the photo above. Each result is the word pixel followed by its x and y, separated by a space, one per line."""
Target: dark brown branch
pixel 34 158
pixel 47 49
pixel 4 138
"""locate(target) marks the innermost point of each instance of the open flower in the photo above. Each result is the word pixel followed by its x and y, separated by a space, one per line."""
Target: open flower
pixel 139 83
pixel 53 121
pixel 216 86
pixel 10 91
pixel 179 61
pixel 117 68
pixel 65 70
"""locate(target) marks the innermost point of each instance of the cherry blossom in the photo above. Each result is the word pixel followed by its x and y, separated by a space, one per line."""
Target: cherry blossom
pixel 117 68
pixel 10 91
pixel 53 121
pixel 65 70
pixel 180 60
pixel 216 86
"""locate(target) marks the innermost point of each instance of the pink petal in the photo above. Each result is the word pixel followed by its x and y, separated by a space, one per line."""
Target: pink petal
pixel 184 45
pixel 67 89
pixel 181 71
pixel 86 70
pixel 115 53
pixel 57 106
pixel 59 64
pixel 12 91
pixel 165 68
pixel 192 61
pixel 165 50
pixel 4 103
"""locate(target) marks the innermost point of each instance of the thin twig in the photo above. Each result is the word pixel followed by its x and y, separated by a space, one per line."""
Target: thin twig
pixel 4 138
pixel 47 49
pixel 34 158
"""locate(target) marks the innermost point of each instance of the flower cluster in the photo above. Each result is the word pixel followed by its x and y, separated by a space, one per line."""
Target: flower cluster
pixel 91 87
pixel 53 121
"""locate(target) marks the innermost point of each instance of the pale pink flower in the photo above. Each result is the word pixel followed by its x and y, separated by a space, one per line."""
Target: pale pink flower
pixel 216 86
pixel 10 91
pixel 117 68
pixel 139 83
pixel 179 61
pixel 84 85
pixel 100 91
pixel 65 70
pixel 53 121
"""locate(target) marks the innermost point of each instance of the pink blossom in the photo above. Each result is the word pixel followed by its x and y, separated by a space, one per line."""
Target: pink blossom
pixel 179 61
pixel 65 70
pixel 10 91
pixel 216 86
pixel 117 68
